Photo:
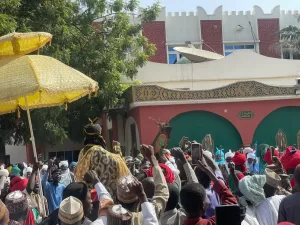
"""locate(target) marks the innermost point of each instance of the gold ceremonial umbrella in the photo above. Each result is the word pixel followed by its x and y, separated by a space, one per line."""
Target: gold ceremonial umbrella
pixel 36 81
pixel 23 43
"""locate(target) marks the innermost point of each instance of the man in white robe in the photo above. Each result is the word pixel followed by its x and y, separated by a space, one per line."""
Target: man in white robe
pixel 267 210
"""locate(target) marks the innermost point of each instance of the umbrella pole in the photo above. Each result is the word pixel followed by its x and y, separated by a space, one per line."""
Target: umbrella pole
pixel 34 152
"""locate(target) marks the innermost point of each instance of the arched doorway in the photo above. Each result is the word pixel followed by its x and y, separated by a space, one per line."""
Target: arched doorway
pixel 132 137
pixel 196 124
pixel 287 119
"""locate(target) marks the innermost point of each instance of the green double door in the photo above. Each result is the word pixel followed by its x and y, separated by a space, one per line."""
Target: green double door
pixel 196 124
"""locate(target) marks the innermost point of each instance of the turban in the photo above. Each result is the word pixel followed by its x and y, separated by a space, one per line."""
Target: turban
pixel 251 156
pixel 70 210
pixel 45 167
pixel 169 175
pixel 290 160
pixel 240 159
pixel 267 156
pixel 15 171
pixel 19 184
pixel 76 189
pixel 64 163
pixel 222 160
pixel 252 188
pixel 73 164
pixel 229 154
pixel 16 202
pixel 207 153
pixel 247 150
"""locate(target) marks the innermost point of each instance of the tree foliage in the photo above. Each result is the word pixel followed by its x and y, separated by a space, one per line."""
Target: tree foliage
pixel 107 51
pixel 289 41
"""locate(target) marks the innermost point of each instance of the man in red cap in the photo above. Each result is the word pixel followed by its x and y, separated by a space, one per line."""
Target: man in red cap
pixel 290 160
pixel 239 160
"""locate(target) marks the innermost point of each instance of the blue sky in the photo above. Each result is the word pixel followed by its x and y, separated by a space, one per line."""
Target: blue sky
pixel 228 5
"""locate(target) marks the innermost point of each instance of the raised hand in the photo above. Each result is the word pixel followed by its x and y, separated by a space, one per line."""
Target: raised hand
pixel 178 153
pixel 147 151
pixel 91 177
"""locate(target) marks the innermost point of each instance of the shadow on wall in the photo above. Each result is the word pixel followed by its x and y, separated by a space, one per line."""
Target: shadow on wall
pixel 196 124
pixel 287 119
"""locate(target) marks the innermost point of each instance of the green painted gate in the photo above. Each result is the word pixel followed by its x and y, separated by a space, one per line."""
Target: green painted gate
pixel 196 124
pixel 287 119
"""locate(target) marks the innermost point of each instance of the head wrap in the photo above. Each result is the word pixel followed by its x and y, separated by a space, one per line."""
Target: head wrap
pixel 252 188
pixel 272 178
pixel 169 175
pixel 4 214
pixel 222 160
pixel 93 134
pixel 267 156
pixel 19 184
pixel 123 193
pixel 45 167
pixel 73 164
pixel 207 153
pixel 229 154
pixel 290 160
pixel 240 159
pixel 251 156
pixel 260 153
pixel 64 163
pixel 15 171
pixel 140 157
pixel 70 210
pixel 76 189
pixel 26 170
pixel 16 202
pixel 247 150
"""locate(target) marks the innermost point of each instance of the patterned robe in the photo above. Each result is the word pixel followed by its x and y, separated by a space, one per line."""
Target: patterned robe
pixel 109 167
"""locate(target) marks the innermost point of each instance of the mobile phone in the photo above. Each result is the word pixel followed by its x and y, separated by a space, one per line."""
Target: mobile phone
pixel 196 153
pixel 228 214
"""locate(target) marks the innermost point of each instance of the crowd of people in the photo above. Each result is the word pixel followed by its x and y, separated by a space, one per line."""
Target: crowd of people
pixel 106 188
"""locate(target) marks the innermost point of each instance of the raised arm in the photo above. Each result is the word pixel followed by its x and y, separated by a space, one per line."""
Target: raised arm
pixel 161 192
pixel 148 212
pixel 227 198
pixel 190 173
pixel 46 176
pixel 31 181
pixel 92 178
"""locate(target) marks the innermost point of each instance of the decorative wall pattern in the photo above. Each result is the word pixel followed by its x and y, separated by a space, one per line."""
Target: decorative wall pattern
pixel 268 35
pixel 211 31
pixel 144 93
pixel 156 34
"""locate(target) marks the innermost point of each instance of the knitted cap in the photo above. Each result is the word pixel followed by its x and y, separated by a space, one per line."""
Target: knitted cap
pixel 123 193
pixel 272 178
pixel 70 210
pixel 16 202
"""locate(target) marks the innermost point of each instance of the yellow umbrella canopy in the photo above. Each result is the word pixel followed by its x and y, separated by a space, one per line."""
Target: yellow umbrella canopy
pixel 23 43
pixel 43 80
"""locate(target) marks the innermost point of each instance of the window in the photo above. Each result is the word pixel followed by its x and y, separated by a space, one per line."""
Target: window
pixel 231 48
pixel 173 56
pixel 65 155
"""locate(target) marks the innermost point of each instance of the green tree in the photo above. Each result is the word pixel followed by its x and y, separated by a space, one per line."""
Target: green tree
pixel 289 44
pixel 107 51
